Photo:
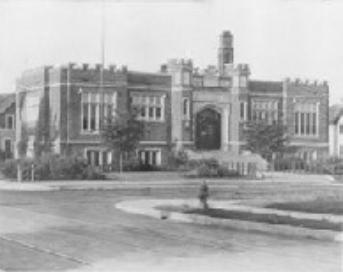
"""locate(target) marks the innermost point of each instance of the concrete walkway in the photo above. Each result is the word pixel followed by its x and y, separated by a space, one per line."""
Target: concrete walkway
pixel 150 208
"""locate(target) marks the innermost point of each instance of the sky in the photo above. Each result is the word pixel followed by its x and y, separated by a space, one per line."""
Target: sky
pixel 277 38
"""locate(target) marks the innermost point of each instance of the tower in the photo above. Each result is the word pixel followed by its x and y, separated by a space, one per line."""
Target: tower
pixel 225 51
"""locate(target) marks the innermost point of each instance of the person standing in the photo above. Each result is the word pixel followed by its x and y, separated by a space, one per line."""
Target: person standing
pixel 204 194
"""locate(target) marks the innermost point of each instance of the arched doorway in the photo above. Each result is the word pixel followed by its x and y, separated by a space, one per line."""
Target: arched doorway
pixel 208 129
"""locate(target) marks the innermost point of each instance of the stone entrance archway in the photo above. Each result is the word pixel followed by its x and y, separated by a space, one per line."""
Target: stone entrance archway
pixel 208 129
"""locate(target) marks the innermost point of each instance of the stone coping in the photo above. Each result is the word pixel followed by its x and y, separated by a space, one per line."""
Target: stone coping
pixel 149 208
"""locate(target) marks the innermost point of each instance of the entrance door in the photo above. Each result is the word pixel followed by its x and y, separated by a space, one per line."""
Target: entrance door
pixel 208 130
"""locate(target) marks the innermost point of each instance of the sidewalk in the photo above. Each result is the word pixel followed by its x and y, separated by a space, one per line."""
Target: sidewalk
pixel 23 186
pixel 156 179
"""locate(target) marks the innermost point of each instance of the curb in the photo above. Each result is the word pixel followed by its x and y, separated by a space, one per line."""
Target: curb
pixel 148 208
pixel 15 186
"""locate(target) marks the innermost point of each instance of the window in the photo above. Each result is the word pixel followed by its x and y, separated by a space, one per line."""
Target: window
pixel 149 156
pixel 306 119
pixel 150 107
pixel 243 81
pixel 296 121
pixel 263 109
pixel 186 107
pixel 8 148
pixel 91 107
pixel 186 78
pixel 158 112
pixel 242 109
pixel 151 112
pixel 99 157
pixel 85 116
pixel 9 121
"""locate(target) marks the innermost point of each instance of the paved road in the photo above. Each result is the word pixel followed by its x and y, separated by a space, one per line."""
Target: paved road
pixel 81 231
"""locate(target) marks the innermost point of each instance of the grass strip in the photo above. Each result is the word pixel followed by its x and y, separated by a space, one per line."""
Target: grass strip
pixel 314 206
pixel 262 218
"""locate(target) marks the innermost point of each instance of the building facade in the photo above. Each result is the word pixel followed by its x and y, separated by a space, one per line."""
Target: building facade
pixel 336 131
pixel 7 125
pixel 301 105
pixel 182 106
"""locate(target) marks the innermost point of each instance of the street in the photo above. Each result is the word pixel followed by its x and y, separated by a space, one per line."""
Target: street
pixel 80 230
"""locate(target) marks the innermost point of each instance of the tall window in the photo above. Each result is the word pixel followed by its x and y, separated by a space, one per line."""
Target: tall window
pixel 266 110
pixel 150 156
pixel 10 121
pixel 243 111
pixel 90 110
pixel 186 108
pixel 8 148
pixel 150 107
pixel 96 157
pixel 306 119
pixel 186 78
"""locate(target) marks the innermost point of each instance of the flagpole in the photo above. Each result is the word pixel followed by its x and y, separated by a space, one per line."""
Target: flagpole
pixel 102 92
pixel 102 43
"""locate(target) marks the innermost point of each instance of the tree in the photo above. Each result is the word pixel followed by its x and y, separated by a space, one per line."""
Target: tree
pixel 122 133
pixel 266 139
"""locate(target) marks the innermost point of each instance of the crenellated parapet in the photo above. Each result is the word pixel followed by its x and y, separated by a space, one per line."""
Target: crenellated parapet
pixel 92 67
pixel 210 70
pixel 243 69
pixel 177 64
pixel 306 83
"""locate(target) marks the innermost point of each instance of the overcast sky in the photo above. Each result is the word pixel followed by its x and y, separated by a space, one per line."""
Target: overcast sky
pixel 277 38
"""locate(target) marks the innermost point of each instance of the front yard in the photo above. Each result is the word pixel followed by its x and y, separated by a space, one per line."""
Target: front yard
pixel 319 205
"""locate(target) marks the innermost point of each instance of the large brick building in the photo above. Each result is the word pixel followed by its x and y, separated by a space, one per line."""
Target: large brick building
pixel 182 107
pixel 7 125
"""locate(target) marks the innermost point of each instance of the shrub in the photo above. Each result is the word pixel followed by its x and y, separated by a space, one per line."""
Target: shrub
pixel 225 172
pixel 206 171
pixel 289 163
pixel 210 168
pixel 129 164
pixel 9 168
pixel 53 167
pixel 323 166
pixel 178 160
pixel 211 162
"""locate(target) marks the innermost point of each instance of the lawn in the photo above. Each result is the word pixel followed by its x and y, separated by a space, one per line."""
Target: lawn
pixel 267 218
pixel 262 218
pixel 331 206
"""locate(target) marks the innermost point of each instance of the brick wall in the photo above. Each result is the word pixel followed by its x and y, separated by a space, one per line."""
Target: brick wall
pixel 303 92
pixel 34 83
pixel 6 133
pixel 153 84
